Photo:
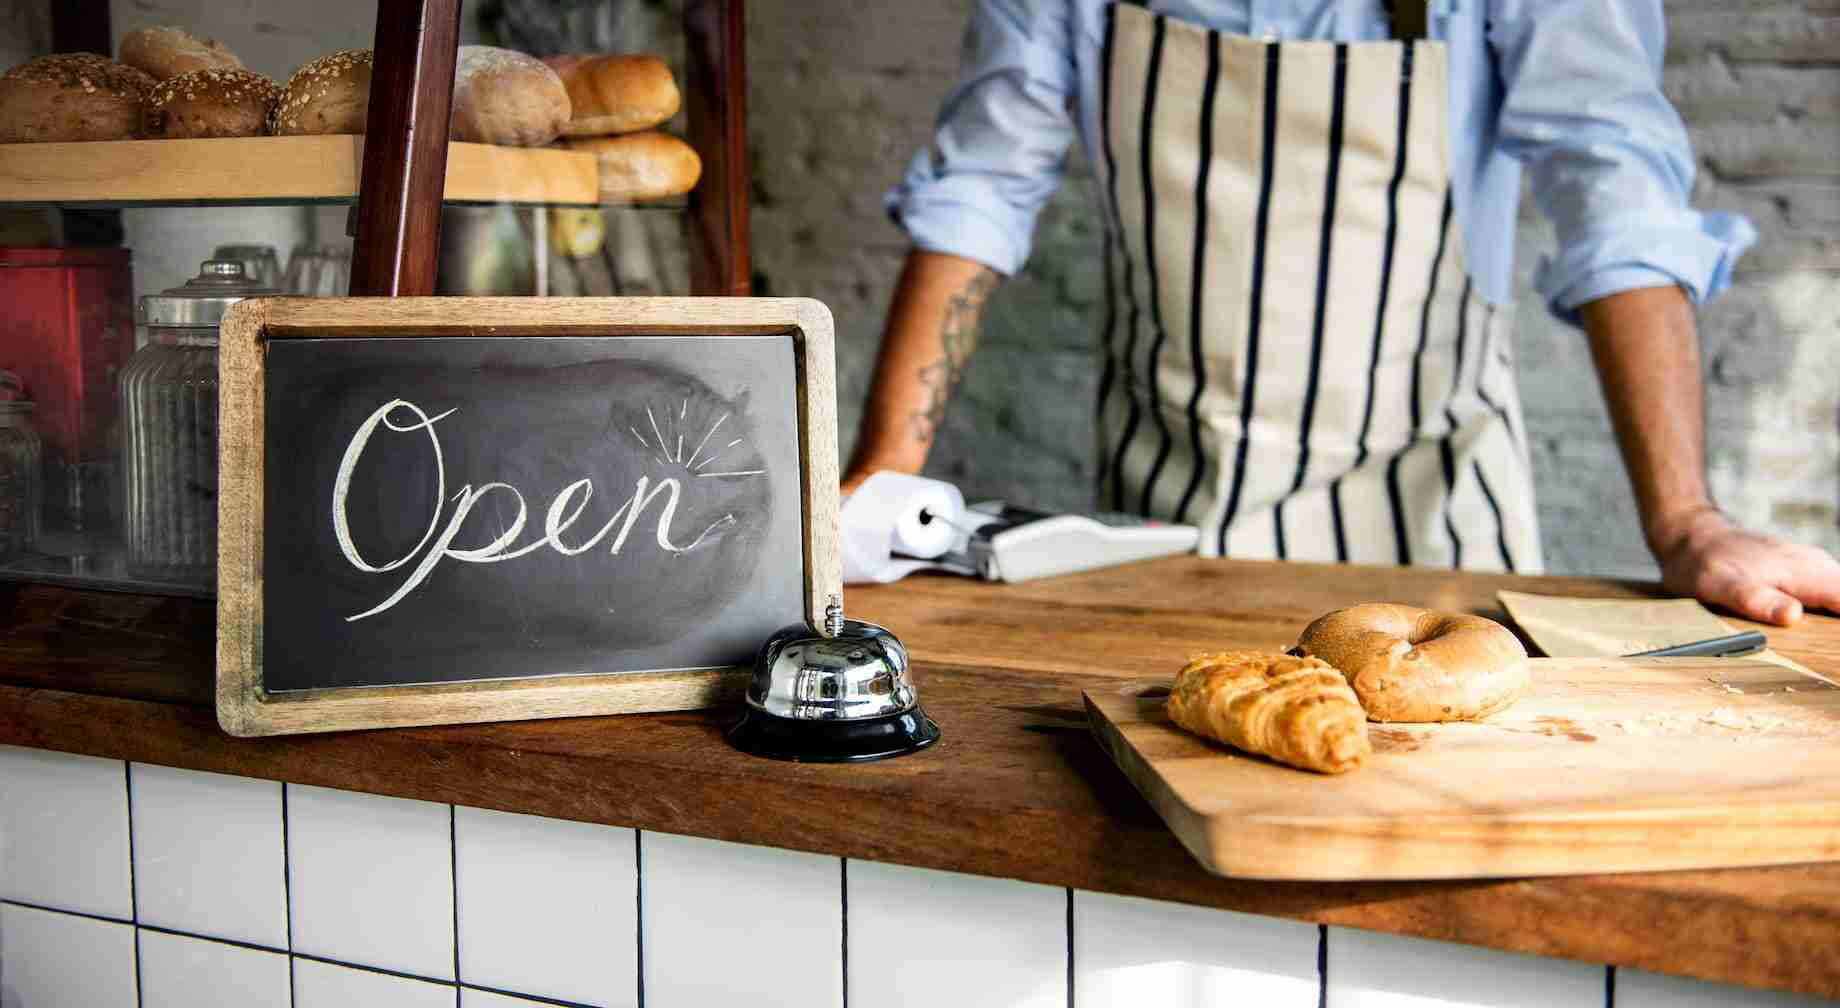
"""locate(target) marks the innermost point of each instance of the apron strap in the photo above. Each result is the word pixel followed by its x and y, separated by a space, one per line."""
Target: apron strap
pixel 1411 18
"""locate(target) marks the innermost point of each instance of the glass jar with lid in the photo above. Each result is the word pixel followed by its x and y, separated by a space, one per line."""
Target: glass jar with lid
pixel 169 427
pixel 21 475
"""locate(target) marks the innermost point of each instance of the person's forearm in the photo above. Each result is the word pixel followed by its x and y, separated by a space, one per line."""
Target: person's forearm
pixel 930 333
pixel 1646 347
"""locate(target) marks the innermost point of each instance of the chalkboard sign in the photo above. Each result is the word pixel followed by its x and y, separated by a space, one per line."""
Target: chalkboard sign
pixel 440 510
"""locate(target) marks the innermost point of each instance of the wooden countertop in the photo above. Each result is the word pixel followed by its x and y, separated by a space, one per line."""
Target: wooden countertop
pixel 1017 788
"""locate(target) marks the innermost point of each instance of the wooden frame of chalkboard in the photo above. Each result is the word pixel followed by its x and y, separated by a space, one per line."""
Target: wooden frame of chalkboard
pixel 254 329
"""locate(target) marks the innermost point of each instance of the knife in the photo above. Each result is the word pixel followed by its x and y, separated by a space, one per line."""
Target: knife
pixel 1716 647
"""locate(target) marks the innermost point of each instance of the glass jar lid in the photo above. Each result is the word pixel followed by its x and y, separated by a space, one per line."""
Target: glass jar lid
pixel 202 300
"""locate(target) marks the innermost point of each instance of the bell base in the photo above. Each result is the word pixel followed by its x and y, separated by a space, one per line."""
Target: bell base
pixel 800 741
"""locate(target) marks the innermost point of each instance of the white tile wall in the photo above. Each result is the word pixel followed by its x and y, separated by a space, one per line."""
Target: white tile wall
pixel 64 831
pixel 371 880
pixel 183 972
pixel 208 857
pixel 1130 952
pixel 1370 970
pixel 323 985
pixel 929 938
pixel 766 909
pixel 548 916
pixel 547 907
pixel 1637 989
pixel 58 960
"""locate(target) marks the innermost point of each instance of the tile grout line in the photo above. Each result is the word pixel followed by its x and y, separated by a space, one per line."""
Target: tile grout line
pixel 537 998
pixel 1322 966
pixel 843 892
pixel 287 894
pixel 381 970
pixel 639 913
pixel 1070 991
pixel 134 898
pixel 232 942
pixel 1610 987
pixel 47 908
pixel 453 877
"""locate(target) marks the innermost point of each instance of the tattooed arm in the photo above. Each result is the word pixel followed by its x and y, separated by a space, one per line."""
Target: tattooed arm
pixel 931 331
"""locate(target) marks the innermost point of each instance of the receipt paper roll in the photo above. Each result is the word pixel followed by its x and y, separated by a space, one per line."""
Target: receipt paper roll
pixel 884 517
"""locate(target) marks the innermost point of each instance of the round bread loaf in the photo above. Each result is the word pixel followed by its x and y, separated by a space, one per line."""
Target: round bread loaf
pixel 331 94
pixel 615 94
pixel 1409 664
pixel 167 51
pixel 642 166
pixel 506 97
pixel 211 103
pixel 73 96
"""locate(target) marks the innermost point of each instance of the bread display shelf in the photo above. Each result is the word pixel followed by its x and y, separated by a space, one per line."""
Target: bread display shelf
pixel 257 170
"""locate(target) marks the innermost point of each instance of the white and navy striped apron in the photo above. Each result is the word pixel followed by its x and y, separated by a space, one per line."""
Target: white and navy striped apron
pixel 1297 361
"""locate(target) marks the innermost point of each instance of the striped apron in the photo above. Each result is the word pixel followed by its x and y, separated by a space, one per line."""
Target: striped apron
pixel 1296 359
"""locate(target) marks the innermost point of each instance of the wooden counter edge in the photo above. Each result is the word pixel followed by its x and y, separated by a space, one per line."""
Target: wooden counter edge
pixel 1681 923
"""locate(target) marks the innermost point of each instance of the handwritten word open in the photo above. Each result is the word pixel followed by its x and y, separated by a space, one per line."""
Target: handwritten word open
pixel 437 542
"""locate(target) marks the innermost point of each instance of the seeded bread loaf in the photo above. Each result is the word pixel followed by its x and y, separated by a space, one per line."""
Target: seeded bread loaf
pixel 167 51
pixel 211 103
pixel 73 96
pixel 506 97
pixel 331 94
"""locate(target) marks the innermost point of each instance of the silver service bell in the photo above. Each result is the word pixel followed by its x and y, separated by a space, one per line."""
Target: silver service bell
pixel 843 698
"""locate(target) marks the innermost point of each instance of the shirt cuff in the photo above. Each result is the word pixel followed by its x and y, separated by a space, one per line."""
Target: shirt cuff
pixel 938 219
pixel 1644 249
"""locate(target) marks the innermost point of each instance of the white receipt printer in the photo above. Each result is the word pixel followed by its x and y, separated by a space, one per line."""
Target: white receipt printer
pixel 1007 543
pixel 895 524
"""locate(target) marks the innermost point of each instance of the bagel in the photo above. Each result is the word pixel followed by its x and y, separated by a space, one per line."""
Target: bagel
pixel 1410 664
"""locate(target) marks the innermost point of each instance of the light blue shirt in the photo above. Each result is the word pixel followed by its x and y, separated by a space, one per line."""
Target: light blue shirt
pixel 1570 89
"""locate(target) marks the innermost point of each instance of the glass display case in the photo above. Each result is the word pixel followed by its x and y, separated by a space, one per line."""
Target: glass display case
pixel 399 210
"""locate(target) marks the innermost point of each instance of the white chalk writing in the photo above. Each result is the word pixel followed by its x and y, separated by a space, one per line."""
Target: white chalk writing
pixel 437 543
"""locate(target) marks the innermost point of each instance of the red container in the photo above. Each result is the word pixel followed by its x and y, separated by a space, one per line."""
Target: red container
pixel 68 327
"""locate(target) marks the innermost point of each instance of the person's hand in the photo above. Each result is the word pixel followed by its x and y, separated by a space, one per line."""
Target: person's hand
pixel 1759 577
pixel 854 478
pixel 862 469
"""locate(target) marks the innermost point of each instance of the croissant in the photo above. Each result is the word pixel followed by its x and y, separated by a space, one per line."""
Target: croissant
pixel 1298 711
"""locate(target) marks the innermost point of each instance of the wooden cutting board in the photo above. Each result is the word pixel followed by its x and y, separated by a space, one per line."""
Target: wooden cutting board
pixel 1607 765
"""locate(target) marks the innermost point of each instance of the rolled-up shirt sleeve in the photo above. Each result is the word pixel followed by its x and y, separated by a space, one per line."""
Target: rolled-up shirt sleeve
pixel 1000 144
pixel 1606 153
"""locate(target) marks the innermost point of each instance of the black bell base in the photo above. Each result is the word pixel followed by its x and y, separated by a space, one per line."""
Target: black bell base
pixel 800 741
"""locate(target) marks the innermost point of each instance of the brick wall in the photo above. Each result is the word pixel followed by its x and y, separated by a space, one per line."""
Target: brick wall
pixel 841 95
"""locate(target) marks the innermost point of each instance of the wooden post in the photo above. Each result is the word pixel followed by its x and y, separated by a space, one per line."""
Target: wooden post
pixel 716 110
pixel 405 148
pixel 83 26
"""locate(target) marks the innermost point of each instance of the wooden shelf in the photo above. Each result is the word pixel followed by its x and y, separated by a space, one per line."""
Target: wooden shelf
pixel 269 170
